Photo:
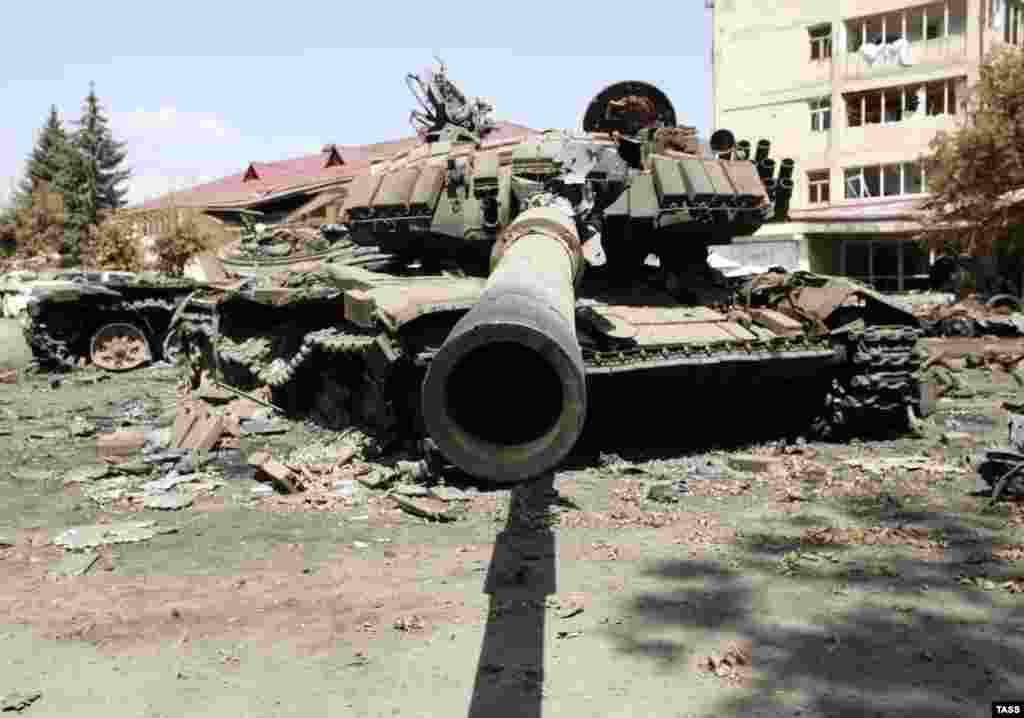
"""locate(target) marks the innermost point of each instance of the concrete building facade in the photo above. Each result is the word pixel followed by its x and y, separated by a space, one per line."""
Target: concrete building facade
pixel 853 91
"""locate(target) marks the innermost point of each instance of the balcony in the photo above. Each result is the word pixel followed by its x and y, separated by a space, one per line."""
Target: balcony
pixel 950 50
pixel 929 35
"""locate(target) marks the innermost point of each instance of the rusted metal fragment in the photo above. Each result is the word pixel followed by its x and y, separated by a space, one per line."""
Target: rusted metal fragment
pixel 777 322
pixel 396 306
pixel 427 508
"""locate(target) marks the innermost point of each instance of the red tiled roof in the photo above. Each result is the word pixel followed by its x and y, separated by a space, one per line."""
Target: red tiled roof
pixel 267 179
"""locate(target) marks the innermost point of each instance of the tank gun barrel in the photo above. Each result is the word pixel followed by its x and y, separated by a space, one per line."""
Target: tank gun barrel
pixel 505 396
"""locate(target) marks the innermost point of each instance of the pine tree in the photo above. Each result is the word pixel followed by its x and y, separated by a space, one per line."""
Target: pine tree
pixel 46 158
pixel 102 156
pixel 89 178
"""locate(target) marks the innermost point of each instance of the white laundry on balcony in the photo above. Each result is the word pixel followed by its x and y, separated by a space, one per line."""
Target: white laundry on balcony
pixel 897 51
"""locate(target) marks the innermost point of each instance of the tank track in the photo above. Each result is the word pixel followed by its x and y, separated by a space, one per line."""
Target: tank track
pixel 879 390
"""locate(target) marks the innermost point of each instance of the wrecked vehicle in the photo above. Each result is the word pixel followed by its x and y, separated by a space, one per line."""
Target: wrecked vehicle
pixel 117 325
pixel 502 279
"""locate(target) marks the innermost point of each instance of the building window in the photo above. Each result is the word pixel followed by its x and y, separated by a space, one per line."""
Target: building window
pixel 926 22
pixel 817 187
pixel 821 114
pixel 896 104
pixel 893 264
pixel 1013 30
pixel 821 42
pixel 892 180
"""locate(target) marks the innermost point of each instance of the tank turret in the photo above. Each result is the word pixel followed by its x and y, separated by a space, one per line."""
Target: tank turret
pixel 510 271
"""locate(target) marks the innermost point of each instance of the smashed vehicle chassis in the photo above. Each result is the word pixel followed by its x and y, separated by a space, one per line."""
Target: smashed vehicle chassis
pixel 116 329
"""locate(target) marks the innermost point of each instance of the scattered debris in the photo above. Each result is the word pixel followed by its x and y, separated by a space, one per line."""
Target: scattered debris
pixel 754 463
pixel 74 564
pixel 123 442
pixel 17 702
pixel 958 440
pixel 411 490
pixel 667 492
pixel 79 427
pixel 568 634
pixel 448 493
pixel 82 537
pixel 409 623
pixel 169 502
pixel 729 663
pixel 86 474
pixel 432 509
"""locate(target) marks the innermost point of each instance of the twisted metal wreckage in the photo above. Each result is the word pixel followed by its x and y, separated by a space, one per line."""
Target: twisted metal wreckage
pixel 478 288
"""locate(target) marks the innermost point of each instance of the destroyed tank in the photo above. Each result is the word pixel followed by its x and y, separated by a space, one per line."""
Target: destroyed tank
pixel 501 280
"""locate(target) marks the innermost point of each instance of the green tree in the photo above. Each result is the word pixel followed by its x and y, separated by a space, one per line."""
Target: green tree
pixel 38 224
pixel 47 157
pixel 102 157
pixel 111 246
pixel 976 174
pixel 174 247
pixel 90 178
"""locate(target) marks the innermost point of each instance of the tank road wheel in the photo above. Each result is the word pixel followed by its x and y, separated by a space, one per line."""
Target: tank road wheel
pixel 119 347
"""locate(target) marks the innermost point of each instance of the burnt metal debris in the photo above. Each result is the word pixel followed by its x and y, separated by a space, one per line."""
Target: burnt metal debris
pixel 118 327
pixel 477 287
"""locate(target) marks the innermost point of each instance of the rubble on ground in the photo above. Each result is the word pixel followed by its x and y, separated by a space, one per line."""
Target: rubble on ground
pixel 972 316
pixel 1001 471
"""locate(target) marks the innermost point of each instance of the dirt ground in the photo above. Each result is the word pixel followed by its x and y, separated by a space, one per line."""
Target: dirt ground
pixel 861 579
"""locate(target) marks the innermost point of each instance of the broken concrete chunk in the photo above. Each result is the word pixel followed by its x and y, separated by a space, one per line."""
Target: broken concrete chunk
pixel 410 490
pixel 159 439
pixel 958 440
pixel 280 474
pixel 667 492
pixel 167 483
pixel 188 414
pixel 754 464
pixel 81 427
pixel 258 458
pixel 86 474
pixel 448 493
pixel 17 702
pixel 346 488
pixel 74 564
pixel 32 475
pixel 777 322
pixel 262 490
pixel 413 470
pixel 82 537
pixel 169 502
pixel 433 509
pixel 136 467
pixel 345 455
pixel 263 426
pixel 207 435
pixel 375 479
pixel 123 442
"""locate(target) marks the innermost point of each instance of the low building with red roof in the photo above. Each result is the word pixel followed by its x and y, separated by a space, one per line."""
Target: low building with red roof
pixel 307 188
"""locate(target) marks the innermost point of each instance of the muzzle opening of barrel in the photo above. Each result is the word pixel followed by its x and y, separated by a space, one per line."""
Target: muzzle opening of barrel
pixel 504 393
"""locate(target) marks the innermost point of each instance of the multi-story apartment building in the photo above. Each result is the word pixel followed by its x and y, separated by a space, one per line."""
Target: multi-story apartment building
pixel 853 91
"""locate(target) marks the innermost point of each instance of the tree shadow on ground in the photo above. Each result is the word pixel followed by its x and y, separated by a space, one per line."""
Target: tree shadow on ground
pixel 858 631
